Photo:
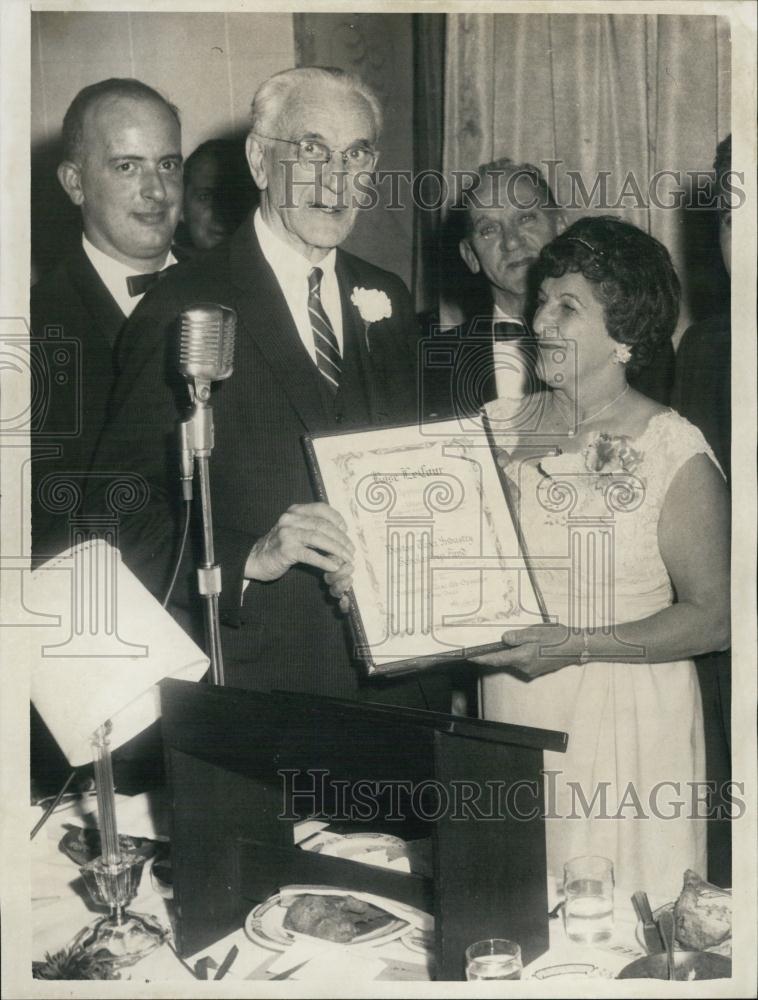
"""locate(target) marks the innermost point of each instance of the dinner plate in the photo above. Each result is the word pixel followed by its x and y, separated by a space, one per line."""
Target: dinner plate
pixel 579 971
pixel 264 925
pixel 368 848
pixel 688 965
pixel 419 940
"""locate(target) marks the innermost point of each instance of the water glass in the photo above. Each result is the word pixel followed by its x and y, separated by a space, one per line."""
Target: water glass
pixel 588 911
pixel 494 958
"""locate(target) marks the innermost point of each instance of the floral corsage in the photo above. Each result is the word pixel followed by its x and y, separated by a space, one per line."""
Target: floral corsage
pixel 611 455
pixel 373 305
pixel 605 455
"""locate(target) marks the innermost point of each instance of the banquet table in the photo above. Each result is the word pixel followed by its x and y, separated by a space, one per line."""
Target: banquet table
pixel 60 907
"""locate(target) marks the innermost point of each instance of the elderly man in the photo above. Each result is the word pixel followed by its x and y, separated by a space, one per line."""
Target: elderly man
pixel 306 362
pixel 504 222
pixel 501 226
pixel 122 166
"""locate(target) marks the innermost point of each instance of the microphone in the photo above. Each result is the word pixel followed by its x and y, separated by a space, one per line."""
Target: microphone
pixel 206 354
pixel 206 348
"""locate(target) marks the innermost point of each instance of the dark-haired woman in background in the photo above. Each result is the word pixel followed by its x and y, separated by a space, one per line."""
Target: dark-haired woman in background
pixel 624 507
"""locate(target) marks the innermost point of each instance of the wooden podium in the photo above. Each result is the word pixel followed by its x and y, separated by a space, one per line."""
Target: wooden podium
pixel 244 766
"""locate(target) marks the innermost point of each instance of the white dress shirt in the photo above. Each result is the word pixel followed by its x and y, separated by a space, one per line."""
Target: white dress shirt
pixel 113 274
pixel 291 270
pixel 511 374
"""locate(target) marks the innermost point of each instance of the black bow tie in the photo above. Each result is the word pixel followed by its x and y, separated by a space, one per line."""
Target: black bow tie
pixel 507 330
pixel 138 284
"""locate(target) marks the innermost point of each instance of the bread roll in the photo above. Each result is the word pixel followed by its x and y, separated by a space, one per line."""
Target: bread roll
pixel 703 916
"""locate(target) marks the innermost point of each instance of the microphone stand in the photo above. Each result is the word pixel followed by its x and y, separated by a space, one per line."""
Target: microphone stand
pixel 197 441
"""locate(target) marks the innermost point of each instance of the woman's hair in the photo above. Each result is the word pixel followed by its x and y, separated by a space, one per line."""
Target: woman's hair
pixel 633 276
pixel 272 96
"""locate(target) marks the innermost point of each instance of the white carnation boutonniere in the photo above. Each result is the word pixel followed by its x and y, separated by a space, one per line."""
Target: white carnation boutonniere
pixel 611 455
pixel 373 305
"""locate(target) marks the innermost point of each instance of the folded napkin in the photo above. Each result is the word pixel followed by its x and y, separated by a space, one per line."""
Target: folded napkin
pixel 403 911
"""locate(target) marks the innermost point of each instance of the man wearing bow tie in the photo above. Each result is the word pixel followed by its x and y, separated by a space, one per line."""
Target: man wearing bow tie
pixel 307 361
pixel 506 219
pixel 122 166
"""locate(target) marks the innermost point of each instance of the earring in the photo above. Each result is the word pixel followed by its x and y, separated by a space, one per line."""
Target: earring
pixel 621 354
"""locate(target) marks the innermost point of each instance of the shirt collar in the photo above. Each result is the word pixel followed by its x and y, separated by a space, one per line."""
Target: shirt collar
pixel 286 263
pixel 499 316
pixel 114 273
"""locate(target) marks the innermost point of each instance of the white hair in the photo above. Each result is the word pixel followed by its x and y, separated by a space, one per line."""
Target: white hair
pixel 272 95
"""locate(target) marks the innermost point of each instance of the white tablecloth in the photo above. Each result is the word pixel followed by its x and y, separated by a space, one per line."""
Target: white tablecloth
pixel 61 907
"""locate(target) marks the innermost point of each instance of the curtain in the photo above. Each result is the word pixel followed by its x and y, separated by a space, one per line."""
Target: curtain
pixel 379 49
pixel 428 110
pixel 628 94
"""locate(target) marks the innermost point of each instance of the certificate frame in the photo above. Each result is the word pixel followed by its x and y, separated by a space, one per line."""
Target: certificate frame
pixel 397 626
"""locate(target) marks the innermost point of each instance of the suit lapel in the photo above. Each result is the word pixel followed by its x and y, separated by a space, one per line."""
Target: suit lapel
pixel 105 311
pixel 354 327
pixel 265 316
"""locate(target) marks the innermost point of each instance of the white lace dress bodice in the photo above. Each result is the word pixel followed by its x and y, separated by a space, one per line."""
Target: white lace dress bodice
pixel 634 728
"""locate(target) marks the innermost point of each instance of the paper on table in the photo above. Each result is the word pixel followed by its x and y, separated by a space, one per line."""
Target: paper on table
pixel 383 852
pixel 306 828
pixel 320 959
pixel 415 917
pixel 106 644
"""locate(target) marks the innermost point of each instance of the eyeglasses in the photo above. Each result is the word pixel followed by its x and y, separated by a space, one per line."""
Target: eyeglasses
pixel 355 158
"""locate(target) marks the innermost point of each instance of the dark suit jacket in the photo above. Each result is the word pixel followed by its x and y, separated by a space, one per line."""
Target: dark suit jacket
pixel 75 323
pixel 702 393
pixel 283 634
pixel 457 374
pixel 457 367
pixel 702 386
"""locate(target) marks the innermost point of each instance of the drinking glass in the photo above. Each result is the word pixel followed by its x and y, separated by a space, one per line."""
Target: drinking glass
pixel 588 913
pixel 494 958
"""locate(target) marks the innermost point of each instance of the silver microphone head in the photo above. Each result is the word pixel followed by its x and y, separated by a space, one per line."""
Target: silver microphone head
pixel 206 349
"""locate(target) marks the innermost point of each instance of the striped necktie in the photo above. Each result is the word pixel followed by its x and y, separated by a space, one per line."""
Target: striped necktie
pixel 328 356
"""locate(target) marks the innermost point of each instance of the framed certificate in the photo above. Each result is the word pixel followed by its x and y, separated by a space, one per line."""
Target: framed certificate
pixel 440 565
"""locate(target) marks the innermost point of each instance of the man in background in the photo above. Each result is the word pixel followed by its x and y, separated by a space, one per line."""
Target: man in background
pixel 702 394
pixel 122 166
pixel 702 384
pixel 506 219
pixel 501 226
pixel 306 362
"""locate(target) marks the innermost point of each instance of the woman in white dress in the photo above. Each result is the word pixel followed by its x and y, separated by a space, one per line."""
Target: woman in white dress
pixel 625 516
